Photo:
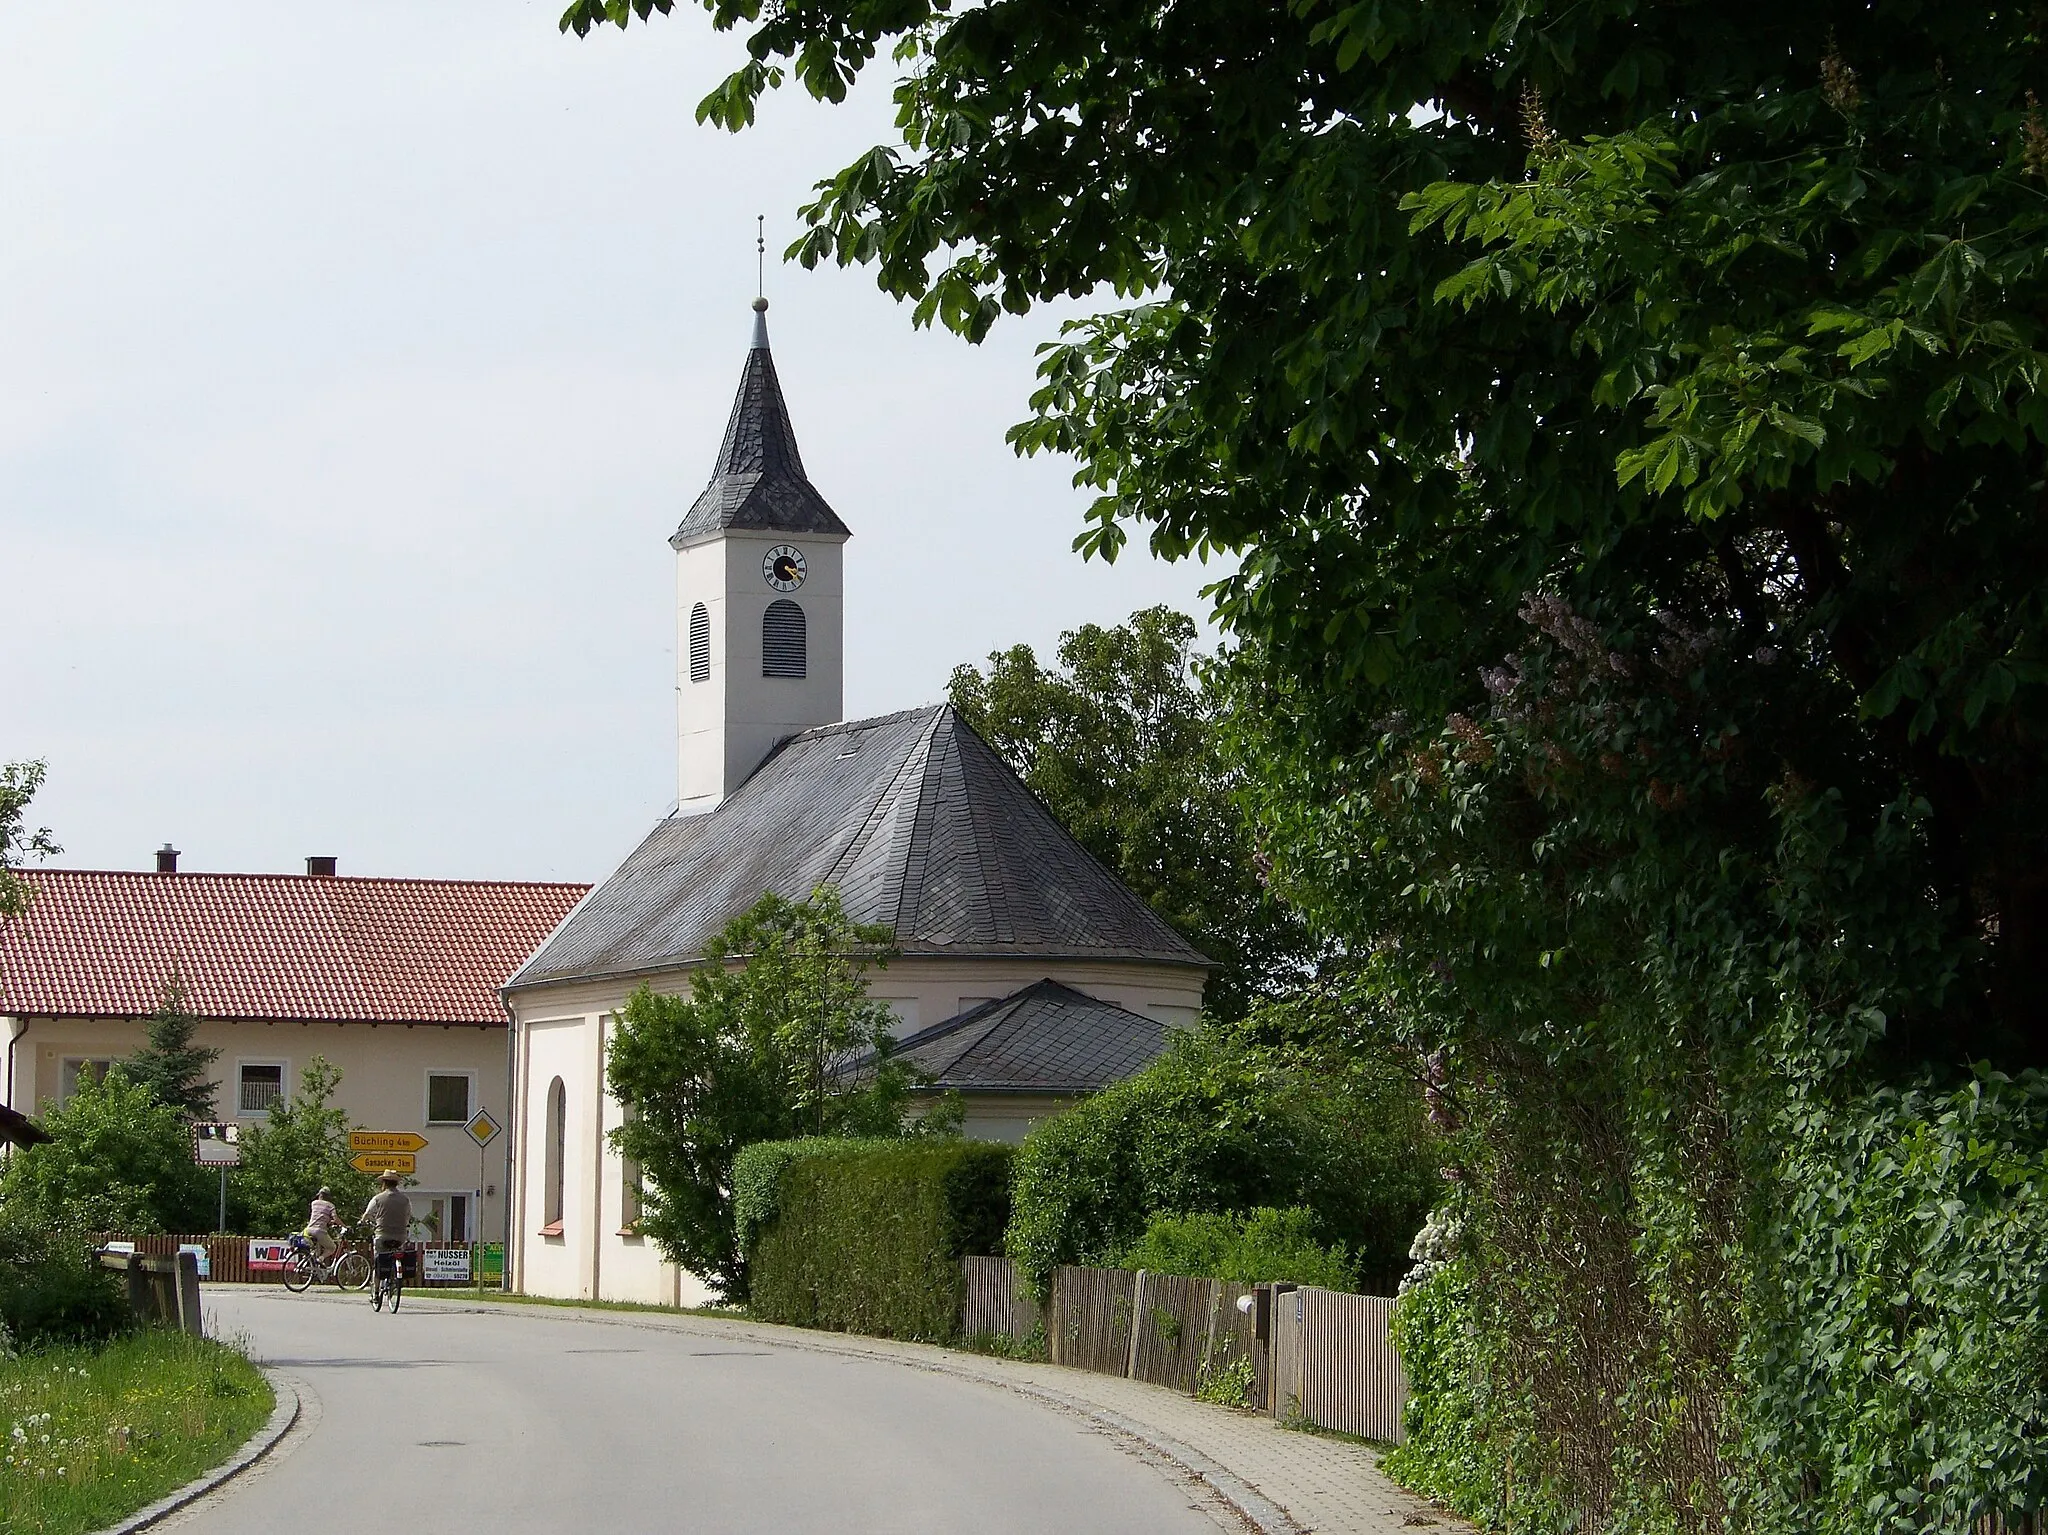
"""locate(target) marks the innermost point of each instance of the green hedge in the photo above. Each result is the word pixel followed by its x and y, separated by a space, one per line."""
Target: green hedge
pixel 865 1236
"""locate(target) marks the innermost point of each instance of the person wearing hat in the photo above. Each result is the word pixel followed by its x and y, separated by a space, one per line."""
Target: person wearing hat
pixel 388 1215
pixel 321 1223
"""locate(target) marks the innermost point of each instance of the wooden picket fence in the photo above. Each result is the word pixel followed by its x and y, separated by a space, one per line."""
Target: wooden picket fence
pixel 227 1258
pixel 1315 1354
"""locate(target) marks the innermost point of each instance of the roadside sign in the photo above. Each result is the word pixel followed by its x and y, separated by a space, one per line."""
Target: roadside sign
pixel 385 1162
pixel 483 1129
pixel 446 1264
pixel 490 1262
pixel 217 1144
pixel 386 1140
pixel 199 1251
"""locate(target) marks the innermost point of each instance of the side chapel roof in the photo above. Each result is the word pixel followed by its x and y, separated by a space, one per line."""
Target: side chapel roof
pixel 913 817
pixel 759 483
pixel 1047 1038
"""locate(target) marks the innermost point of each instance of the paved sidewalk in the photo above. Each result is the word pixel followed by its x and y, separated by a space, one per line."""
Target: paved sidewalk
pixel 1292 1483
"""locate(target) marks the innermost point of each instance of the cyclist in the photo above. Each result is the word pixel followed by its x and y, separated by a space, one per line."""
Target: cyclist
pixel 321 1223
pixel 389 1217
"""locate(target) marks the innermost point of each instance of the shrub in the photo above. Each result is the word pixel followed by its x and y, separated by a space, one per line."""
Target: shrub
pixel 52 1292
pixel 1265 1245
pixel 868 1237
pixel 1214 1127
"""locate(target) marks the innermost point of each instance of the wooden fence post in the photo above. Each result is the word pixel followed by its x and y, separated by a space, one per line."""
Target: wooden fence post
pixel 189 1319
pixel 1137 1322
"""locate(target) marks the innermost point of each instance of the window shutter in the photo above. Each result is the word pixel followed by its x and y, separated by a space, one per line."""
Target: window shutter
pixel 784 646
pixel 700 644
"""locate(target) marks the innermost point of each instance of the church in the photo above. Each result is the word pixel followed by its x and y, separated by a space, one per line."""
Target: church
pixel 1028 975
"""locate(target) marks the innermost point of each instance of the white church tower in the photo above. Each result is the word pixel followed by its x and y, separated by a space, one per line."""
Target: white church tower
pixel 759 597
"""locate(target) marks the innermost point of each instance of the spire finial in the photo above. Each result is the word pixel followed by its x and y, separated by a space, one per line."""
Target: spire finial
pixel 760 255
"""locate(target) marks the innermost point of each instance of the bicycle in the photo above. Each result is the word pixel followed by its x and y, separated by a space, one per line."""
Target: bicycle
pixel 390 1269
pixel 346 1267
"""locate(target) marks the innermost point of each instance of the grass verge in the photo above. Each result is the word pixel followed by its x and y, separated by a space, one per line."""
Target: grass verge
pixel 88 1435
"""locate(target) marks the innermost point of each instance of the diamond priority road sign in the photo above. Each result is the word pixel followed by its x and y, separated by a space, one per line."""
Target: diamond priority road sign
pixel 385 1162
pixel 483 1129
pixel 386 1140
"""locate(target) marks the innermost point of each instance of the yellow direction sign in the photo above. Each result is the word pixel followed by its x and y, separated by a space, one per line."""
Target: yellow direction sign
pixel 483 1129
pixel 385 1162
pixel 386 1140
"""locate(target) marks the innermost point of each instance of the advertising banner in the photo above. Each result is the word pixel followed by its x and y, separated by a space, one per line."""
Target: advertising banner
pixel 444 1265
pixel 269 1253
pixel 490 1263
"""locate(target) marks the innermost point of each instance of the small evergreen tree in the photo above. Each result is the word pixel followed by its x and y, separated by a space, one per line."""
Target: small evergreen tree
pixel 302 1147
pixel 177 1072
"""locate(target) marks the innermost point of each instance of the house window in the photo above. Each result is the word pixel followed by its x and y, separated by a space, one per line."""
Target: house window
pixel 448 1097
pixel 784 646
pixel 81 1069
pixel 556 1143
pixel 258 1084
pixel 700 644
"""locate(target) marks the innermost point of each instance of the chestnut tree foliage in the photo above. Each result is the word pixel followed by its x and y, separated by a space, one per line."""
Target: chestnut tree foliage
pixel 1630 420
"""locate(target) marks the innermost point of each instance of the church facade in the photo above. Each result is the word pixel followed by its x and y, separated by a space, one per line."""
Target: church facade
pixel 1028 975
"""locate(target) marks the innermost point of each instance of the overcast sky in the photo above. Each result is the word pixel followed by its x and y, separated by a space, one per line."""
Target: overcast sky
pixel 358 360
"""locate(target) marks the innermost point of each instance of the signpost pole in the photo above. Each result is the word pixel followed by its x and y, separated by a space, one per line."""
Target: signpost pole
pixel 222 1225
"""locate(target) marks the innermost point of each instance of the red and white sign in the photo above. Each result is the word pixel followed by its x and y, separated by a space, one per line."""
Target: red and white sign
pixel 269 1253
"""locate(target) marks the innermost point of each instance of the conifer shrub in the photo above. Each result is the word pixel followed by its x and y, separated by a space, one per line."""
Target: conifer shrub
pixel 866 1236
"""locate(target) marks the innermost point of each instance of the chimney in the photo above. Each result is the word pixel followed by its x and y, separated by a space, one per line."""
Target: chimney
pixel 320 868
pixel 167 859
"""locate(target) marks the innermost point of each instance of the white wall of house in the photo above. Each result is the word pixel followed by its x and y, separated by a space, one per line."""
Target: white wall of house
pixel 561 1032
pixel 385 1070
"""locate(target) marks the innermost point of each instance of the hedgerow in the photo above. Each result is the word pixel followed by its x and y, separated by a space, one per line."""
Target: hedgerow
pixel 868 1236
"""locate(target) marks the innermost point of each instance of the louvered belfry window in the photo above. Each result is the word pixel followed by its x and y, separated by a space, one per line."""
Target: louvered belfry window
pixel 700 644
pixel 784 645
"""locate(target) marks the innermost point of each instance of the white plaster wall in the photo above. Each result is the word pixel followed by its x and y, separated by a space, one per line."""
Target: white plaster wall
pixel 551 1047
pixel 384 1069
pixel 727 725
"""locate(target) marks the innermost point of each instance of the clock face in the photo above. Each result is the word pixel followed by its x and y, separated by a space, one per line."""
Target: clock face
pixel 783 568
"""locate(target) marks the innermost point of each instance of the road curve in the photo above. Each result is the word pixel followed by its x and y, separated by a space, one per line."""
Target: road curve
pixel 539 1421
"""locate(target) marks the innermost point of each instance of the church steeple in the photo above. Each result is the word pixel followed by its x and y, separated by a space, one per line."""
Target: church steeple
pixel 759 597
pixel 759 482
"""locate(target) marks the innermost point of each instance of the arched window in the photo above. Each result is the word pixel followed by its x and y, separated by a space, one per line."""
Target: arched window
pixel 551 1171
pixel 783 642
pixel 700 644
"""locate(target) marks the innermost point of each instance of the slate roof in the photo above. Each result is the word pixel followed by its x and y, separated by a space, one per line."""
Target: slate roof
pixel 919 824
pixel 759 482
pixel 1047 1038
pixel 276 947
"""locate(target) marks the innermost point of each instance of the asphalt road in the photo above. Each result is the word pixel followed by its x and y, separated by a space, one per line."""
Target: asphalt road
pixel 447 1416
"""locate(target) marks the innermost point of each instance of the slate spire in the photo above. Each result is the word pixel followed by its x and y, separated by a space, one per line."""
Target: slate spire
pixel 758 483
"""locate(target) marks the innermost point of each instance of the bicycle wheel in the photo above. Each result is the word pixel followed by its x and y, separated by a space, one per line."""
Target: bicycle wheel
pixel 377 1295
pixel 351 1271
pixel 397 1290
pixel 298 1274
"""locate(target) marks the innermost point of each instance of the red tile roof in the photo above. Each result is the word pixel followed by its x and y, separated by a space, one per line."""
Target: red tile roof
pixel 98 944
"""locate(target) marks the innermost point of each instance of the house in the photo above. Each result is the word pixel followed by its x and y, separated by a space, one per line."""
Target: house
pixel 1023 962
pixel 394 981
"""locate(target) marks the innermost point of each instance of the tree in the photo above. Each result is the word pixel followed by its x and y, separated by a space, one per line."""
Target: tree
pixel 301 1147
pixel 117 1160
pixel 1630 420
pixel 19 782
pixel 1121 742
pixel 767 1046
pixel 175 1070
